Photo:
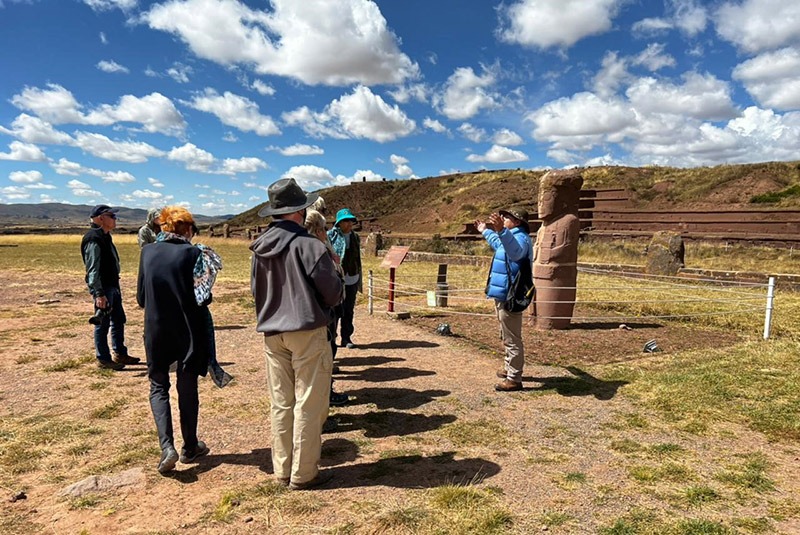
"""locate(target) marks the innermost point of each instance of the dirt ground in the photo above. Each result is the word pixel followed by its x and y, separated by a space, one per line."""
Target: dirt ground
pixel 424 414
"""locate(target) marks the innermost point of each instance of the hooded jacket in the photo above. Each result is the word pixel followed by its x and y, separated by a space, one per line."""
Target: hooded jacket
pixel 148 231
pixel 293 280
pixel 514 245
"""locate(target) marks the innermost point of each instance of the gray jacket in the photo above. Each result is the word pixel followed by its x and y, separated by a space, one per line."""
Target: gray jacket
pixel 293 280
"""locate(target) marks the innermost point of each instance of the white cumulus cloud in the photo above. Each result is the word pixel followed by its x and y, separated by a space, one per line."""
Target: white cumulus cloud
pixel 236 111
pixel 773 78
pixel 314 41
pixel 25 177
pixel 466 94
pixel 499 154
pixel 23 152
pixel 545 23
pixel 759 25
pixel 111 66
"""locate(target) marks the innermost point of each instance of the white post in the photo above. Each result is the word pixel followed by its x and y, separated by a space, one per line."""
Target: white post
pixel 369 293
pixel 770 303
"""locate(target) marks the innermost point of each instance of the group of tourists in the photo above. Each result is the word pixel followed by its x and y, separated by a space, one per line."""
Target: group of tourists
pixel 304 281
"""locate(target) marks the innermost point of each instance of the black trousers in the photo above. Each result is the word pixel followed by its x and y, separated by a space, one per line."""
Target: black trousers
pixel 188 406
pixel 345 312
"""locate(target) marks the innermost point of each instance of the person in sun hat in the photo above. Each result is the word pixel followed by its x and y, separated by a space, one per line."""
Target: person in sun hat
pixel 101 261
pixel 295 284
pixel 508 233
pixel 347 246
pixel 176 329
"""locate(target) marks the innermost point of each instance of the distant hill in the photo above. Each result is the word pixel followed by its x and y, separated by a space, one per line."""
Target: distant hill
pixel 67 216
pixel 442 204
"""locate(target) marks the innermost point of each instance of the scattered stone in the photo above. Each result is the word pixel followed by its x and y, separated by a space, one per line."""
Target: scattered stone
pixel 399 315
pixel 624 327
pixel 248 519
pixel 18 496
pixel 651 347
pixel 444 329
pixel 47 301
pixel 94 484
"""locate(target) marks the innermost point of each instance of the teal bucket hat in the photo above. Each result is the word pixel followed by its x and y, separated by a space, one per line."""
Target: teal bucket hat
pixel 344 215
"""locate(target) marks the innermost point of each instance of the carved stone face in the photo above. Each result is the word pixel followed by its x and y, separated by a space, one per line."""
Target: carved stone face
pixel 547 206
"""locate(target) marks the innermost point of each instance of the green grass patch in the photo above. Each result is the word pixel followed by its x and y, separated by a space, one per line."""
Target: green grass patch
pixel 750 476
pixel 478 433
pixel 467 509
pixel 753 383
pixel 109 411
pixel 554 519
pixel 700 495
pixel 87 501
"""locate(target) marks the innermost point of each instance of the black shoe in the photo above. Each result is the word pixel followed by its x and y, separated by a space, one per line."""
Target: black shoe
pixel 189 456
pixel 318 481
pixel 110 365
pixel 339 400
pixel 330 426
pixel 336 370
pixel 168 459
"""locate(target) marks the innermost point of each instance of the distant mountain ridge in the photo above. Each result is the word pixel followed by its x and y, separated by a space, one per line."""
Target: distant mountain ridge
pixel 60 215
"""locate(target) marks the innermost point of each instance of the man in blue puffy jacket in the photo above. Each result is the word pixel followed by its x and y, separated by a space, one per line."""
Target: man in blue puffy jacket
pixel 507 232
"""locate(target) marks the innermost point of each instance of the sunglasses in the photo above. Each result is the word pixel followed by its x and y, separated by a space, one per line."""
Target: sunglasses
pixel 111 215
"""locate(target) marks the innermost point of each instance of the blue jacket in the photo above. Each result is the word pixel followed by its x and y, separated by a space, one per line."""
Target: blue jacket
pixel 514 244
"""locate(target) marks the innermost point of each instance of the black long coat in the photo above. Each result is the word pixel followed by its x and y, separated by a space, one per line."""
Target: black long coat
pixel 175 326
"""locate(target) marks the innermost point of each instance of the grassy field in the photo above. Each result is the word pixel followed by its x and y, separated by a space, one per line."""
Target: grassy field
pixel 696 396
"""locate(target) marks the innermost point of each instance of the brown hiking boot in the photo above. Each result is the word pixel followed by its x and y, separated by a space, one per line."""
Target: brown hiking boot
pixel 502 373
pixel 124 359
pixel 507 385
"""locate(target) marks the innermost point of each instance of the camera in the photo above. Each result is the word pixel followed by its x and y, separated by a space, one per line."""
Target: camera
pixel 99 315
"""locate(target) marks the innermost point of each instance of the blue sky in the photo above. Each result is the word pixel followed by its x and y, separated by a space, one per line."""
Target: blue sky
pixel 206 102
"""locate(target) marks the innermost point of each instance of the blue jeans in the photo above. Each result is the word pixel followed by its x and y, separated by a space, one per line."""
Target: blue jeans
pixel 116 321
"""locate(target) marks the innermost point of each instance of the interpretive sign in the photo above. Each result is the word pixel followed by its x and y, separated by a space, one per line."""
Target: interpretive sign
pixel 395 256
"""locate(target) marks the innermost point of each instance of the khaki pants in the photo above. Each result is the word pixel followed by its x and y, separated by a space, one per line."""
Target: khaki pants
pixel 511 333
pixel 299 375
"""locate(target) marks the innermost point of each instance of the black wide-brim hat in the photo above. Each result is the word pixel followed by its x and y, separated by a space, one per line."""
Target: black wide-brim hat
pixel 285 197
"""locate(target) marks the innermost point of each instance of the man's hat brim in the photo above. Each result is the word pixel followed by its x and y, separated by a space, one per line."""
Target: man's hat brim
pixel 267 210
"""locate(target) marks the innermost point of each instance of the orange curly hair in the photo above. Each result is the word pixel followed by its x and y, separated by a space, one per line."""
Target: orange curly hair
pixel 176 219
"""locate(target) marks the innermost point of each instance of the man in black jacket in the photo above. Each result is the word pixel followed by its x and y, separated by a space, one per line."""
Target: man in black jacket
pixel 295 284
pixel 102 277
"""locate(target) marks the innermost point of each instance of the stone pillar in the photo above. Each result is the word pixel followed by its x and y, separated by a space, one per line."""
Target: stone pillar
pixel 226 230
pixel 665 254
pixel 211 231
pixel 555 264
pixel 373 244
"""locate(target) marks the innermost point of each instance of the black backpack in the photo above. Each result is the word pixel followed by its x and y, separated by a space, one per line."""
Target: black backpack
pixel 521 291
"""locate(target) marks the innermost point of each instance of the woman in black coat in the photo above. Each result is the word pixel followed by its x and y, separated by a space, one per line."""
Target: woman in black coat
pixel 175 329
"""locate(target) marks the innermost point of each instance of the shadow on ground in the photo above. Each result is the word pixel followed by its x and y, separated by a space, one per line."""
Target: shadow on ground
pixel 411 471
pixel 380 424
pixel 395 398
pixel 579 384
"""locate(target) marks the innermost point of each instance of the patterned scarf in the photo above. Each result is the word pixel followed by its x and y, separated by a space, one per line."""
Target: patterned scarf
pixel 205 269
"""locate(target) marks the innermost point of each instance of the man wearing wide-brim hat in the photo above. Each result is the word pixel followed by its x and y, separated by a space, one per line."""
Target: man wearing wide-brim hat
pixel 347 245
pixel 295 284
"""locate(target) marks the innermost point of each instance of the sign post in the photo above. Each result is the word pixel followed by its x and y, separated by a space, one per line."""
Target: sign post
pixel 393 258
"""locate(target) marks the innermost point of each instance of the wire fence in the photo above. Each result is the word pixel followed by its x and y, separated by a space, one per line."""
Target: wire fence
pixel 601 296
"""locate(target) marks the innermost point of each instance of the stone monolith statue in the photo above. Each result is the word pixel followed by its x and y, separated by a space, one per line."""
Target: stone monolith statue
pixel 555 262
